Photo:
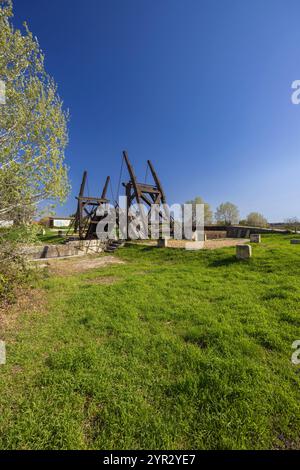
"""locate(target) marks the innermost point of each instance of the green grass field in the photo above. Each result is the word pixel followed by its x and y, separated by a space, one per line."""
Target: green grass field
pixel 173 349
pixel 20 235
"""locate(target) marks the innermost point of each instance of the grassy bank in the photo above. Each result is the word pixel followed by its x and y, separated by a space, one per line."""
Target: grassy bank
pixel 172 349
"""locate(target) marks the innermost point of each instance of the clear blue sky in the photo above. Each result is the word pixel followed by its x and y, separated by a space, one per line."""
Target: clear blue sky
pixel 201 87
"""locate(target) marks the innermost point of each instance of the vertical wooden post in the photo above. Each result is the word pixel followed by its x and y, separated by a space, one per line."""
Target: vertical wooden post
pixel 160 188
pixel 105 187
pixel 78 215
pixel 128 202
pixel 157 182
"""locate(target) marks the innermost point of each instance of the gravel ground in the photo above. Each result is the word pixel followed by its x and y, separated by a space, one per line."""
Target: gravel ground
pixel 208 245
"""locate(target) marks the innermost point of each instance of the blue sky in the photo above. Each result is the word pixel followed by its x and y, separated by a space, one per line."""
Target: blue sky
pixel 201 87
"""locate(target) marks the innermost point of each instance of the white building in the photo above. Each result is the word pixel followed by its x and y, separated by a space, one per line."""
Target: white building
pixel 6 223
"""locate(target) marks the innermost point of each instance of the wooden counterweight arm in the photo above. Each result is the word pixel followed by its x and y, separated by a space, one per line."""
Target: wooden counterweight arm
pixel 103 196
pixel 160 188
pixel 132 177
pixel 157 182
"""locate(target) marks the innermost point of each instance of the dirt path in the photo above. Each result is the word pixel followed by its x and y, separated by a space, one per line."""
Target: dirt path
pixel 208 244
pixel 67 267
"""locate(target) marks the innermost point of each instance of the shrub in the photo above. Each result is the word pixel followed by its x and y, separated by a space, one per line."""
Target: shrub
pixel 14 270
pixel 23 233
pixel 255 219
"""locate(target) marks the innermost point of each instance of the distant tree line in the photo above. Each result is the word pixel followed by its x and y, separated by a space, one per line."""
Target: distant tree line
pixel 292 223
pixel 227 213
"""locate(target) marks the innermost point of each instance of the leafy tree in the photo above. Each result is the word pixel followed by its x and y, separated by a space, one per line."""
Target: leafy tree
pixel 227 213
pixel 256 219
pixel 24 214
pixel 33 124
pixel 208 215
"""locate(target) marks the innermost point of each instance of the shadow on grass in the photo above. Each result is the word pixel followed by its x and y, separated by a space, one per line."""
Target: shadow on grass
pixel 149 248
pixel 232 260
pixel 139 247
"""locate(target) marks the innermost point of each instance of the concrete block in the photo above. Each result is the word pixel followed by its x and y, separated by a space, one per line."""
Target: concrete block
pixel 162 243
pixel 2 353
pixel 243 251
pixel 255 238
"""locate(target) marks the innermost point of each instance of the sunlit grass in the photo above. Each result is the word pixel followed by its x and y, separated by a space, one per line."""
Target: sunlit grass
pixel 181 350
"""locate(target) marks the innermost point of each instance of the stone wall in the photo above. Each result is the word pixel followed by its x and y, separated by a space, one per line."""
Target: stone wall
pixel 233 230
pixel 71 248
pixel 238 232
pixel 214 234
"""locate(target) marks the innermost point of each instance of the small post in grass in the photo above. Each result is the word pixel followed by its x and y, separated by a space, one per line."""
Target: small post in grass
pixel 162 243
pixel 2 353
pixel 243 251
pixel 255 238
